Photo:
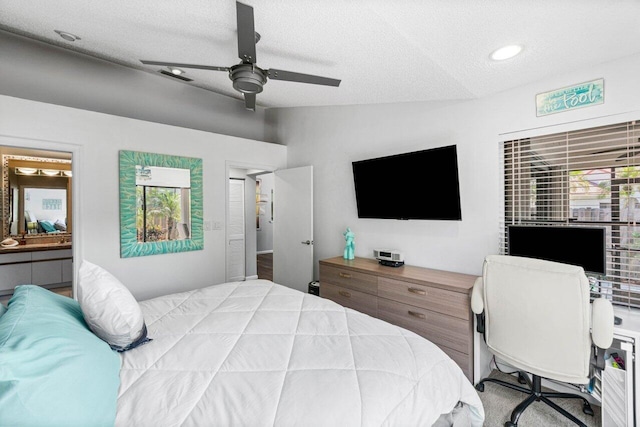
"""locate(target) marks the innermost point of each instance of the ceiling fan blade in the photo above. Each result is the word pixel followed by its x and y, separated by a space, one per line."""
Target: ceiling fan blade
pixel 614 149
pixel 246 33
pixel 626 155
pixel 301 78
pixel 250 101
pixel 179 65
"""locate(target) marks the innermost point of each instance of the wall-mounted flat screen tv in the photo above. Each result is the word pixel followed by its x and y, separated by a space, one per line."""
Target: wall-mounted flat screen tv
pixel 417 185
pixel 581 246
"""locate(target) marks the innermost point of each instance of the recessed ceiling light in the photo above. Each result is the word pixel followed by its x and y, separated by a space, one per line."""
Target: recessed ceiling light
pixel 67 36
pixel 176 71
pixel 506 52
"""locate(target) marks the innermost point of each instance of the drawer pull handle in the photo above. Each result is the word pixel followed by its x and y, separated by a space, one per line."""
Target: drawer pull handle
pixel 416 314
pixel 345 294
pixel 417 291
pixel 345 275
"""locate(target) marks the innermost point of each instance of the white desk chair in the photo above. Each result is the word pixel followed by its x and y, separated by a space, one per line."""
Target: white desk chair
pixel 536 316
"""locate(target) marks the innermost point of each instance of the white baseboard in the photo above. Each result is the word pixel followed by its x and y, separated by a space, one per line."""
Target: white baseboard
pixel 264 252
pixel 255 277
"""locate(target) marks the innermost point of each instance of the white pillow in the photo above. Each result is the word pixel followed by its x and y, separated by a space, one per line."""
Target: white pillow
pixel 109 309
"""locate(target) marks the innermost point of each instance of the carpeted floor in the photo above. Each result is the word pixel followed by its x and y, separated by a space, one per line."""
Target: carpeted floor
pixel 500 401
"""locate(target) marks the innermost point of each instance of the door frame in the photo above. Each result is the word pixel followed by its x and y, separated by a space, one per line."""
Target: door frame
pixel 76 170
pixel 247 166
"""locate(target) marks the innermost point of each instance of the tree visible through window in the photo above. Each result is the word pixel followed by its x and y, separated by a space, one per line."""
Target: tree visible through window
pixel 159 213
pixel 162 204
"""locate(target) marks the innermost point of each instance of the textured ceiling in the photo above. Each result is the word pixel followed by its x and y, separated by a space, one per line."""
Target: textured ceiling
pixel 383 50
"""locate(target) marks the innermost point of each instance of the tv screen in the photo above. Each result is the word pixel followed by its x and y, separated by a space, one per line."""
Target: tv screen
pixel 417 185
pixel 581 246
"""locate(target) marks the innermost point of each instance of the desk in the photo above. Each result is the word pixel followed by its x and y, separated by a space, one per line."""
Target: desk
pixel 620 389
pixel 621 393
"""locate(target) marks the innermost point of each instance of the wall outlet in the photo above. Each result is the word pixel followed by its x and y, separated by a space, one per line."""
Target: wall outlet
pixel 207 226
pixel 217 225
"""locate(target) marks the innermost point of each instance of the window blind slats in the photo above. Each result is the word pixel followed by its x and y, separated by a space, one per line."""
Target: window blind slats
pixel 581 178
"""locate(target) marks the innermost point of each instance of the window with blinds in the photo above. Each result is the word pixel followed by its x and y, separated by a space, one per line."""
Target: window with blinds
pixel 581 178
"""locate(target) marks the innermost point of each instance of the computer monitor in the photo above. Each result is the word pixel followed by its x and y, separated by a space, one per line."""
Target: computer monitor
pixel 575 245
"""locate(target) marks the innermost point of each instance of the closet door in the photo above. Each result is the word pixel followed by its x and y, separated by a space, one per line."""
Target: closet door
pixel 236 232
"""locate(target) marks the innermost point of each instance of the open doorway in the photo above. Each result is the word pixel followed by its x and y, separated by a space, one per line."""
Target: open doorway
pixel 37 220
pixel 249 230
pixel 264 225
pixel 290 215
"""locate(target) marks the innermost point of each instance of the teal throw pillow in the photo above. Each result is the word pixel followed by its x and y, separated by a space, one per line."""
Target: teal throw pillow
pixel 53 370
pixel 47 226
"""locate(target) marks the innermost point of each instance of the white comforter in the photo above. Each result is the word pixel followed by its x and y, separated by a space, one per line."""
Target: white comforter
pixel 256 353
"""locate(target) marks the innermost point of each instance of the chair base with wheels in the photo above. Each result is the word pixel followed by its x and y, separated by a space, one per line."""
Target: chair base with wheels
pixel 536 394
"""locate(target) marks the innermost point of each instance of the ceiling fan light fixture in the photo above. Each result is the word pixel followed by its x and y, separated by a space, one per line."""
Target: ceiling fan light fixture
pixel 67 36
pixel 247 78
pixel 506 52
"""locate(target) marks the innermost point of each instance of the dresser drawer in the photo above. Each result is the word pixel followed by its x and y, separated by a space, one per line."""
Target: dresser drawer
pixel 364 303
pixel 465 361
pixel 15 257
pixel 448 302
pixel 438 328
pixel 12 275
pixel 362 282
pixel 57 254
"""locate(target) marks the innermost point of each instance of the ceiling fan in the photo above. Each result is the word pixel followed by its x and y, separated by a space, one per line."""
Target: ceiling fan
pixel 627 152
pixel 247 77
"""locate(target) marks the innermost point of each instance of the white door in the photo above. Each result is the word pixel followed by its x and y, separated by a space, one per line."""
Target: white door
pixel 293 227
pixel 235 232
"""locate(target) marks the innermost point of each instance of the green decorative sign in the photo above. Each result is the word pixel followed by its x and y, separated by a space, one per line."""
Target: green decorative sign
pixel 570 98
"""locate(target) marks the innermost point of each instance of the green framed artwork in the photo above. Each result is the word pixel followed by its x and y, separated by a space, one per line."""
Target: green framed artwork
pixel 160 204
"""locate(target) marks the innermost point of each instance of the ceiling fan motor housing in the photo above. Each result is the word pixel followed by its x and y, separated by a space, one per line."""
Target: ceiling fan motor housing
pixel 247 78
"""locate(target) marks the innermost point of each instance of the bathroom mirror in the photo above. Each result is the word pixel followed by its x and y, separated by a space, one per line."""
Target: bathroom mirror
pixel 160 204
pixel 36 195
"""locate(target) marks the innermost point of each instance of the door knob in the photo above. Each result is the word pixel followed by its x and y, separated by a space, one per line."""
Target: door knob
pixel 307 242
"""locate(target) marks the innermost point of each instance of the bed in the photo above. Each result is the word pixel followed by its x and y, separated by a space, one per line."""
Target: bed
pixel 257 353
pixel 247 353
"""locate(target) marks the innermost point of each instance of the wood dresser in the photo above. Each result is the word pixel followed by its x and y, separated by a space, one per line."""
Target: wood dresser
pixel 432 303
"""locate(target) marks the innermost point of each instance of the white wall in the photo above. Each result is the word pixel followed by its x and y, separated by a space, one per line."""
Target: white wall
pixel 42 72
pixel 330 138
pixel 97 139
